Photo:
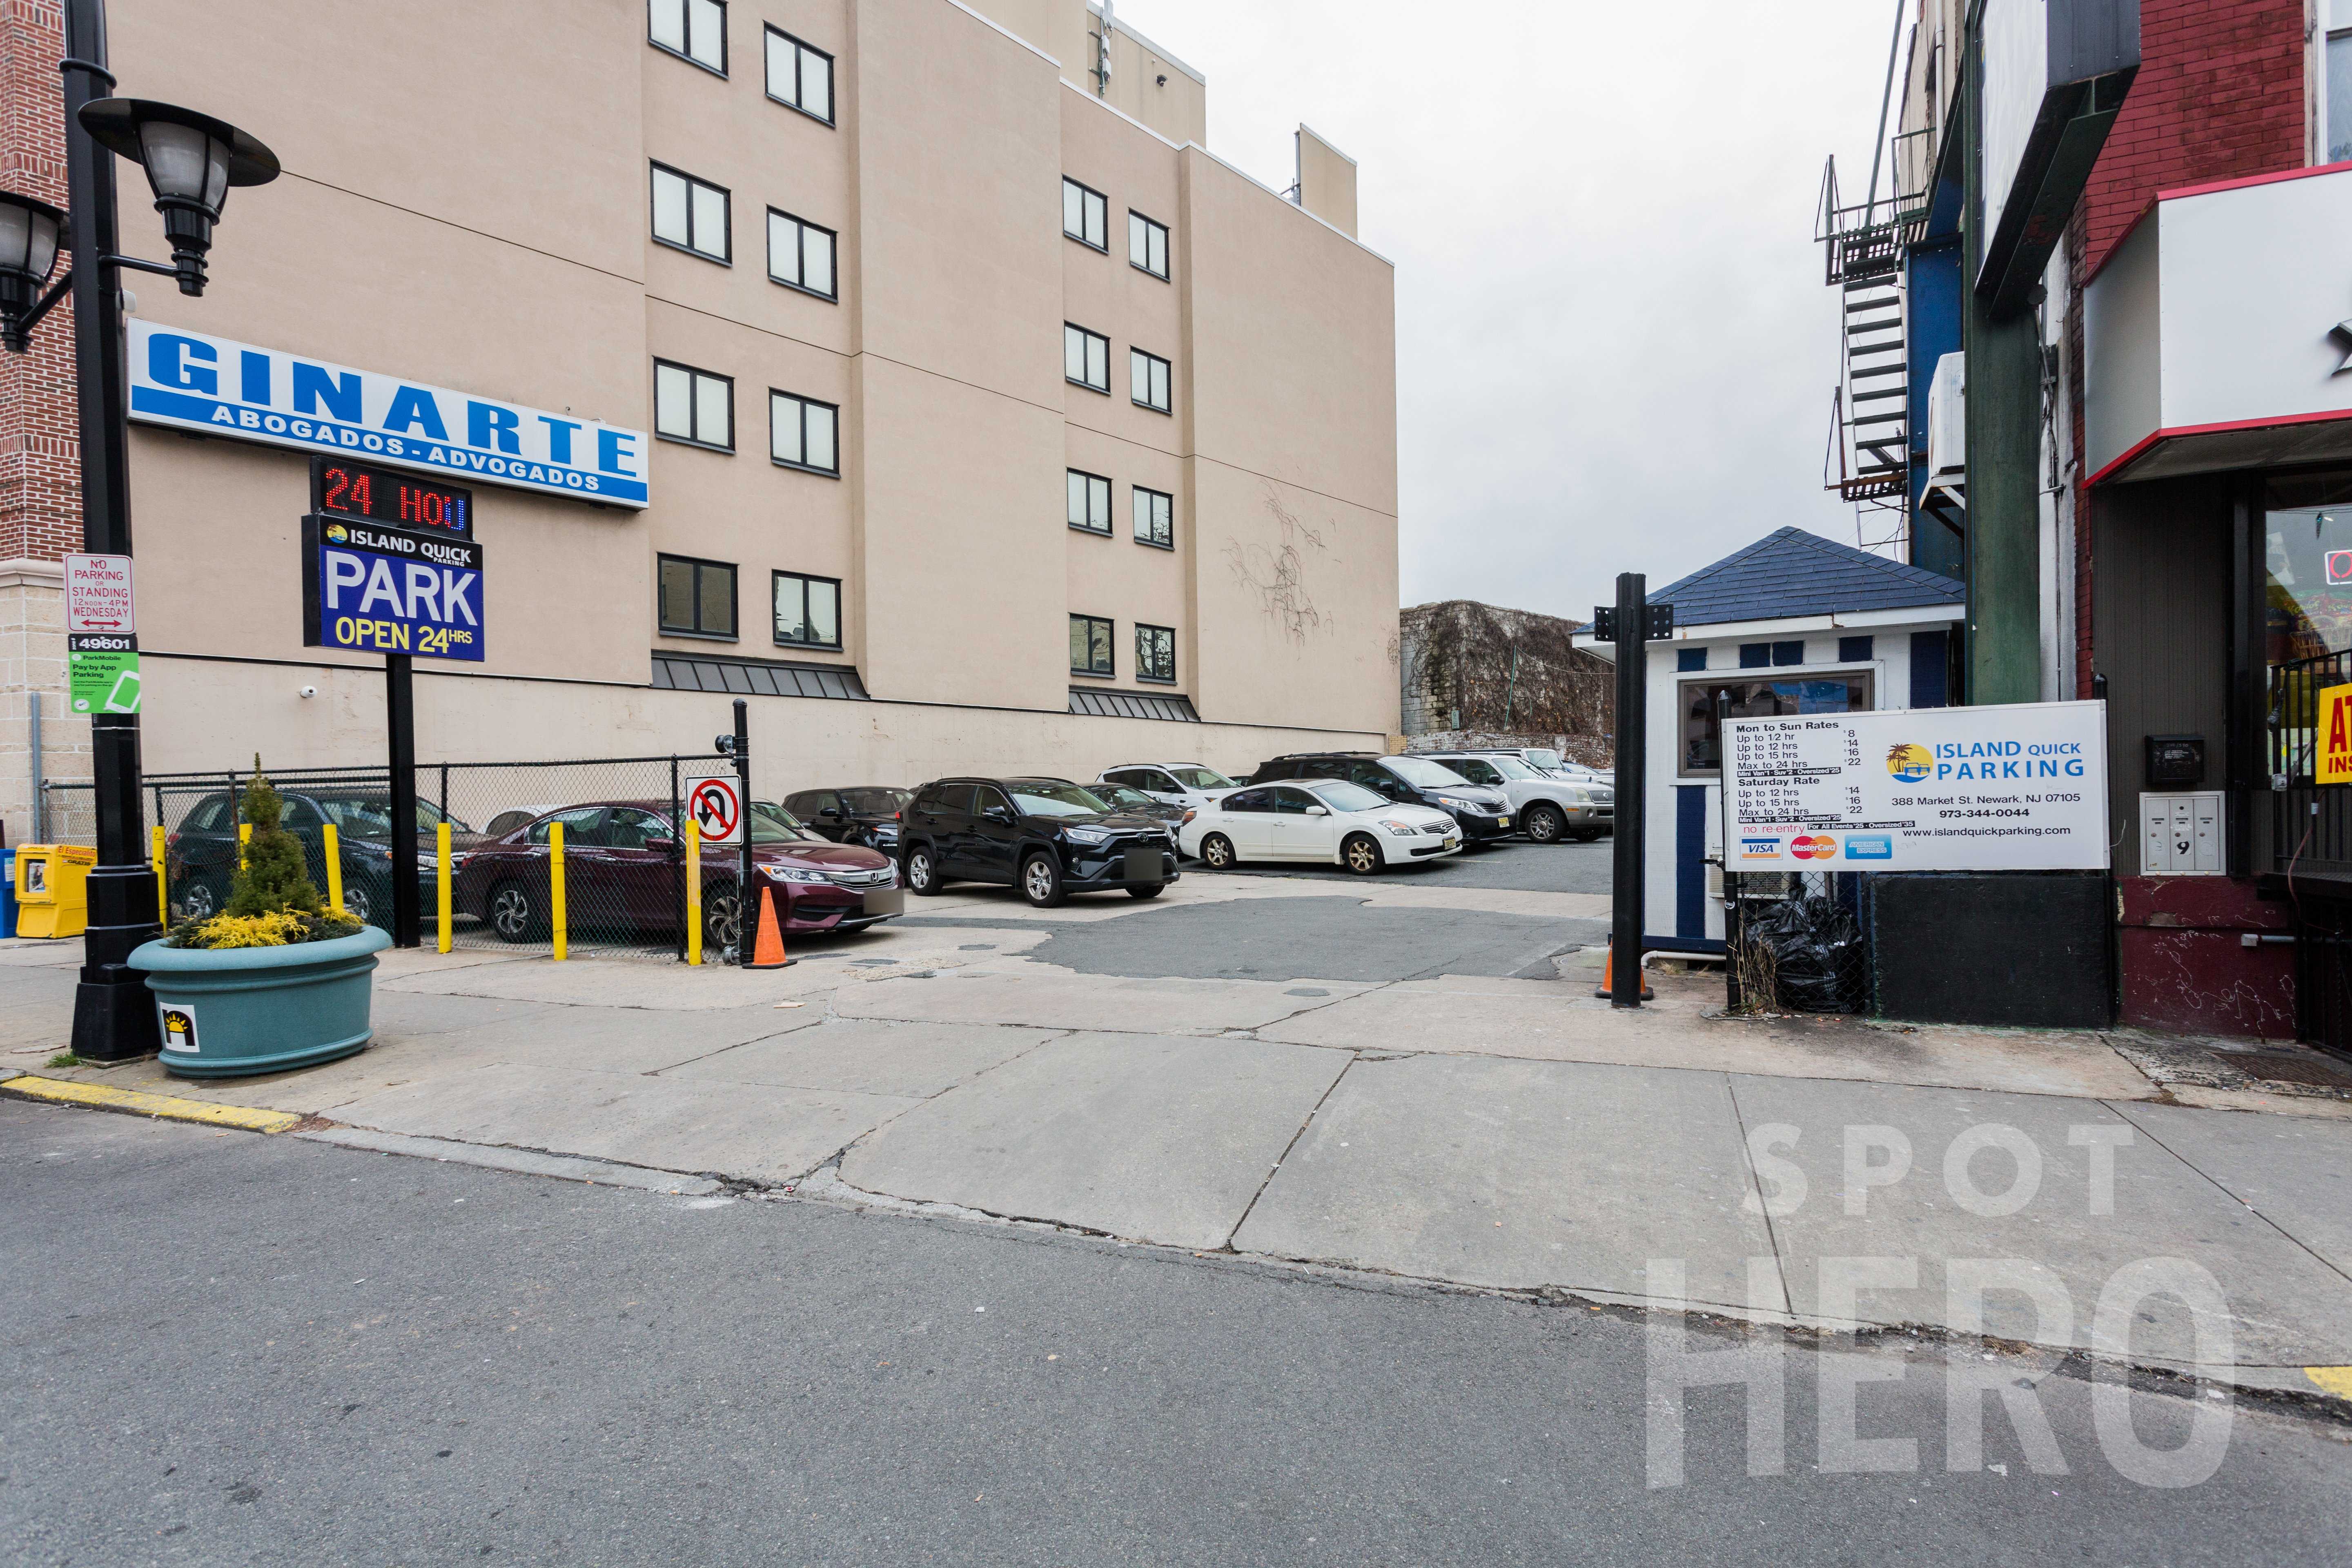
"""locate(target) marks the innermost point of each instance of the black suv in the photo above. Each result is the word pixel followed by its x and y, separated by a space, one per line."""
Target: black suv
pixel 1049 838
pixel 200 859
pixel 868 815
pixel 1485 814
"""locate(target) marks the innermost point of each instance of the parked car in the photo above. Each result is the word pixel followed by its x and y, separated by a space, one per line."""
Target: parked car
pixel 1329 821
pixel 200 857
pixel 515 817
pixel 1170 784
pixel 1135 803
pixel 1048 837
pixel 1548 808
pixel 866 814
pixel 1483 814
pixel 624 867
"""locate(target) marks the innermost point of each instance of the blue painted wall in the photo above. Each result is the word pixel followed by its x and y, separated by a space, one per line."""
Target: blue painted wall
pixel 1690 860
pixel 1932 327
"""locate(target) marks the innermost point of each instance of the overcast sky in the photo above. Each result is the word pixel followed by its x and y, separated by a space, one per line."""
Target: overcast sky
pixel 1614 348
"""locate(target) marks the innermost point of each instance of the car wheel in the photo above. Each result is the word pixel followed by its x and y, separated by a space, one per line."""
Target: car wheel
pixel 514 913
pixel 1544 824
pixel 1041 882
pixel 722 918
pixel 1151 890
pixel 202 898
pixel 360 903
pixel 922 871
pixel 1217 852
pixel 1361 855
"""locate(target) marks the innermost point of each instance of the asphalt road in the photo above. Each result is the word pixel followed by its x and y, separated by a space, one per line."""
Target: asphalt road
pixel 1513 863
pixel 1337 938
pixel 230 1349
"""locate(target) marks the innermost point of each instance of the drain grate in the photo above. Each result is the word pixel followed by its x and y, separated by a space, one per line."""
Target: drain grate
pixel 2286 1069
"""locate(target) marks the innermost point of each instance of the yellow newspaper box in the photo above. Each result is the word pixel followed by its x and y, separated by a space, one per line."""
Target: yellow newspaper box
pixel 52 897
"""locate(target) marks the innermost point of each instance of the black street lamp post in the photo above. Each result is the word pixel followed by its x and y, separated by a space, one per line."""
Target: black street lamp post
pixel 191 161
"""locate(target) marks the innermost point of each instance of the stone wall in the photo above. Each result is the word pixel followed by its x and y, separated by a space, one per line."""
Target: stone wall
pixel 1459 673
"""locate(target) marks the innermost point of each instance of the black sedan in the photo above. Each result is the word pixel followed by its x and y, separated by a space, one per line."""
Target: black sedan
pixel 1048 837
pixel 864 813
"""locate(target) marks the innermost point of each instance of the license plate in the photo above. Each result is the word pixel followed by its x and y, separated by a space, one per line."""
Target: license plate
pixel 1142 865
pixel 1451 842
pixel 886 901
pixel 1503 821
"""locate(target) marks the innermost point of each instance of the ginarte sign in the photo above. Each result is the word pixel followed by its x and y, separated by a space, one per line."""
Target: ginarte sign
pixel 190 381
pixel 2020 787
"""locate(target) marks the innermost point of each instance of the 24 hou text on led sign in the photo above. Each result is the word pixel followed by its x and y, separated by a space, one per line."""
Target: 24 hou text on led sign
pixel 191 380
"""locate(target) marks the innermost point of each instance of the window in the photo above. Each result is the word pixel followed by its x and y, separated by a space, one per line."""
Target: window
pixel 1248 800
pixel 1701 730
pixel 697 598
pixel 1085 216
pixel 1155 654
pixel 691 29
pixel 1086 357
pixel 800 76
pixel 691 214
pixel 1690 658
pixel 2339 87
pixel 1090 502
pixel 1155 518
pixel 803 433
pixel 579 827
pixel 808 611
pixel 1854 650
pixel 1090 646
pixel 1147 380
pixel 800 254
pixel 627 828
pixel 694 405
pixel 1147 244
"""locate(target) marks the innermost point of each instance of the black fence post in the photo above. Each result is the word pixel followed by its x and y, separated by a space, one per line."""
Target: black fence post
pixel 1632 669
pixel 747 921
pixel 677 860
pixel 400 715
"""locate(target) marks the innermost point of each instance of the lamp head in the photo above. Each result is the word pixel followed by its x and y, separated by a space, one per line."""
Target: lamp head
pixel 191 160
pixel 29 254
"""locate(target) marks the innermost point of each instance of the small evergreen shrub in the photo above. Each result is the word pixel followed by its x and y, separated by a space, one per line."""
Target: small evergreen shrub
pixel 272 902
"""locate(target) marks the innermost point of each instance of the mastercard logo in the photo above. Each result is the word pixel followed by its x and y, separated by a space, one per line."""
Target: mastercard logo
pixel 1813 846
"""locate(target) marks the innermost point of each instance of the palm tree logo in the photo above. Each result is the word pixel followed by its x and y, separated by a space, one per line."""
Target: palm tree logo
pixel 1909 762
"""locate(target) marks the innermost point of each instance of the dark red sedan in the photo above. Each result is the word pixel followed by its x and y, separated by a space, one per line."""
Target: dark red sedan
pixel 623 872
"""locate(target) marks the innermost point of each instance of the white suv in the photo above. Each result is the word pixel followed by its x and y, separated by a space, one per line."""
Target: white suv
pixel 1549 809
pixel 1187 784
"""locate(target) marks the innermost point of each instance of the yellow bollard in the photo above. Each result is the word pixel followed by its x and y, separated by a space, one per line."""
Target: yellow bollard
pixel 244 838
pixel 693 891
pixel 555 882
pixel 334 868
pixel 441 856
pixel 163 887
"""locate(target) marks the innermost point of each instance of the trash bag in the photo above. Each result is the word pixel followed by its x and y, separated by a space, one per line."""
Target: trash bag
pixel 1817 953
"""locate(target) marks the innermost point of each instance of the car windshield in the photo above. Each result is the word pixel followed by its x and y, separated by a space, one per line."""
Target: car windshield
pixel 1550 762
pixel 1055 800
pixel 370 816
pixel 1349 797
pixel 1200 778
pixel 1423 773
pixel 1512 768
pixel 1478 770
pixel 772 824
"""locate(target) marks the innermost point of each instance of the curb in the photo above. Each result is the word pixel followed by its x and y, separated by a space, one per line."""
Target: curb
pixel 136 1102
pixel 521 1161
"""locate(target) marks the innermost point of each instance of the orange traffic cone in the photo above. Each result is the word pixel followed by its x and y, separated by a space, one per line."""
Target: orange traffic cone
pixel 768 953
pixel 1609 979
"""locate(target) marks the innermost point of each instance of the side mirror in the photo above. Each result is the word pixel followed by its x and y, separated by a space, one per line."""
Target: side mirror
pixel 1317 810
pixel 997 813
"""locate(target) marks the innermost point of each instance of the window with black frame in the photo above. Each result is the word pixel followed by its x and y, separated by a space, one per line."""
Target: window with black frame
pixel 697 598
pixel 691 29
pixel 1155 518
pixel 1155 654
pixel 1701 749
pixel 1089 502
pixel 800 76
pixel 808 611
pixel 1090 649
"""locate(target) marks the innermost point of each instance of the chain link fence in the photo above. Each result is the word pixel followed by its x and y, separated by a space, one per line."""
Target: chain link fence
pixel 619 886
pixel 1796 941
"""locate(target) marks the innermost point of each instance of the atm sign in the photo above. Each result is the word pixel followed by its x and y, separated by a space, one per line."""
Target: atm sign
pixel 2334 765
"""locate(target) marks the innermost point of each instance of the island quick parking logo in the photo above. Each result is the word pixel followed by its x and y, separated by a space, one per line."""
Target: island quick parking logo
pixel 193 381
pixel 1909 762
pixel 1869 847
pixel 338 534
pixel 1759 850
pixel 1813 846
pixel 2006 759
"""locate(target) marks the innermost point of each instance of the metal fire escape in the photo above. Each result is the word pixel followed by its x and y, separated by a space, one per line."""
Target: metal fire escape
pixel 1866 246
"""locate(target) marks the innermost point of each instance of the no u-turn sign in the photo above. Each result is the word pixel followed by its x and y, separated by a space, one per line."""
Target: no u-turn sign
pixel 714 804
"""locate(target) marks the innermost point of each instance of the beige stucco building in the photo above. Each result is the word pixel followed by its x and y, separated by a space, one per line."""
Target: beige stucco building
pixel 841 225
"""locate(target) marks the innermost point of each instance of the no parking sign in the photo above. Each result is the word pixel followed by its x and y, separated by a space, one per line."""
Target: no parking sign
pixel 714 804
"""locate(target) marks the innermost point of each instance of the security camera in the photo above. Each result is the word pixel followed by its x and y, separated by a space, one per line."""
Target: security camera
pixel 724 745
pixel 310 691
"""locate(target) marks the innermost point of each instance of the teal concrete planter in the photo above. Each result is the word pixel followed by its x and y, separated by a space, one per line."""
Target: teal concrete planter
pixel 236 1011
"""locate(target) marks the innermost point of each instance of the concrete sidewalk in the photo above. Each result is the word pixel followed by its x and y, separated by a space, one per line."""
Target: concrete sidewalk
pixel 1507 1133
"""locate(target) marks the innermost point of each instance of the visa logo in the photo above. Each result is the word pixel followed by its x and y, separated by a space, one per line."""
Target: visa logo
pixel 1759 850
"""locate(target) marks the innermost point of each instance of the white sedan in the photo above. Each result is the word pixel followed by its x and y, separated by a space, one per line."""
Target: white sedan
pixel 1323 820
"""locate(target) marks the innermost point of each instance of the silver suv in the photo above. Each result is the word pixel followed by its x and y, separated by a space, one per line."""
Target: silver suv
pixel 1548 808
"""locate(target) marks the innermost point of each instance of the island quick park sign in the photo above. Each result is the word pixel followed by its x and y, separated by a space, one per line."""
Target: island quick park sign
pixel 189 381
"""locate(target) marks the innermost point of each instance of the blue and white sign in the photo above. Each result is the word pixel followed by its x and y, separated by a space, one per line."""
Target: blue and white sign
pixel 189 381
pixel 374 589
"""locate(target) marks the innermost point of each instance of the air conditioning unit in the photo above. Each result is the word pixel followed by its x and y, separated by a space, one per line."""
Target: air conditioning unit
pixel 1947 420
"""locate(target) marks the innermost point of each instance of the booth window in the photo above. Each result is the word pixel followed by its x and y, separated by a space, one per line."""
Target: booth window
pixel 1147 380
pixel 801 255
pixel 804 433
pixel 1155 654
pixel 1155 518
pixel 1147 244
pixel 1085 216
pixel 1085 358
pixel 697 598
pixel 1090 651
pixel 694 407
pixel 1701 740
pixel 691 214
pixel 800 76
pixel 808 611
pixel 691 29
pixel 1090 502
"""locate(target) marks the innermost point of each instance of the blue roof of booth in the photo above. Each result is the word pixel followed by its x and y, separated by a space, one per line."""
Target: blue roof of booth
pixel 1790 574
